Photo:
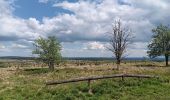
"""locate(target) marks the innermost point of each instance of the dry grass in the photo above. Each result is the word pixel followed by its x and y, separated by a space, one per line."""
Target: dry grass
pixel 71 71
pixel 32 79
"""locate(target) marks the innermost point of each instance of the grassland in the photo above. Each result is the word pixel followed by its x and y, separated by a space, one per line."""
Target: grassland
pixel 27 82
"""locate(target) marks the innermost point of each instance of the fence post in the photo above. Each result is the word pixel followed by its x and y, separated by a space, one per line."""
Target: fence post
pixel 122 77
pixel 89 86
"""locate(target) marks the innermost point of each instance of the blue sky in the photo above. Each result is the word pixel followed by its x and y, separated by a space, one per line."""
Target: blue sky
pixel 80 25
pixel 34 8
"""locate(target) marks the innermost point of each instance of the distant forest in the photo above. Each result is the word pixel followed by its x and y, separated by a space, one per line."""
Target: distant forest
pixel 85 58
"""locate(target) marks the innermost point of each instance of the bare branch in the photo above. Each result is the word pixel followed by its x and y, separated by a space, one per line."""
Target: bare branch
pixel 120 38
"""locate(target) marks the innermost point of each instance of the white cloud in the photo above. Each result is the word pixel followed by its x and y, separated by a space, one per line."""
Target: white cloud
pixel 5 7
pixel 91 21
pixel 18 46
pixel 12 27
pixel 2 46
pixel 88 22
pixel 97 18
pixel 43 1
pixel 84 49
pixel 149 3
pixel 95 46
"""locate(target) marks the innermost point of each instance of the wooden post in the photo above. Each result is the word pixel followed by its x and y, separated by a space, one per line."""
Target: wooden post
pixel 79 62
pixel 139 78
pixel 122 77
pixel 89 86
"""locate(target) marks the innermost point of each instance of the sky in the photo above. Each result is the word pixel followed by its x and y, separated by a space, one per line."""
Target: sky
pixel 80 25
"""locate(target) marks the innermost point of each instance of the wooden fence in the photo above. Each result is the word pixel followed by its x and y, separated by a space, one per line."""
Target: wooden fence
pixel 89 79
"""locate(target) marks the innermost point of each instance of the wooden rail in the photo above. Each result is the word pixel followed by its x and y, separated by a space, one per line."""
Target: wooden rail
pixel 99 77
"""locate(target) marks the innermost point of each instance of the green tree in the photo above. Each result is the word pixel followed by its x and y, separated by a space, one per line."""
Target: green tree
pixel 48 51
pixel 160 44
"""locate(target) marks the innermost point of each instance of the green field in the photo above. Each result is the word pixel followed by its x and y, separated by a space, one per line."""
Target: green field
pixel 28 83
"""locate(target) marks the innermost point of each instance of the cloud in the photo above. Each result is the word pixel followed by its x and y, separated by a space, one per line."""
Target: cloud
pixel 97 18
pixel 87 24
pixel 43 1
pixel 18 46
pixel 90 22
pixel 157 11
pixel 6 7
pixel 95 46
pixel 85 49
pixel 16 28
pixel 2 46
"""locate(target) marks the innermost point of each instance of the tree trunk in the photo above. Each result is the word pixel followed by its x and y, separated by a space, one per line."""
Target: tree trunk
pixel 166 59
pixel 118 63
pixel 51 66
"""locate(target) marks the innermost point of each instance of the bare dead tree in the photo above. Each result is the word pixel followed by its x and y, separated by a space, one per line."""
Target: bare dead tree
pixel 120 38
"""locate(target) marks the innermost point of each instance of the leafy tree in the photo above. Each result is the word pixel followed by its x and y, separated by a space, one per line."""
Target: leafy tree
pixel 120 38
pixel 48 51
pixel 160 44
